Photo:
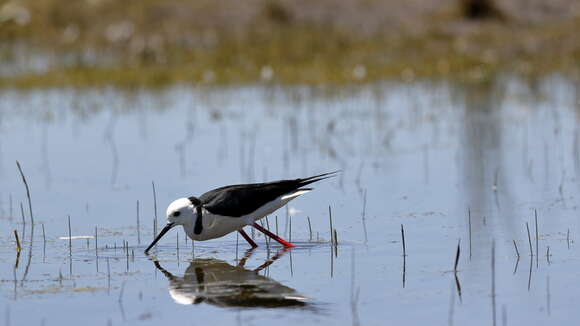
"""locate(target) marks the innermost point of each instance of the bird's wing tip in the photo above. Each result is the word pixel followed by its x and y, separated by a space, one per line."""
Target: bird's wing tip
pixel 323 175
pixel 328 174
pixel 319 177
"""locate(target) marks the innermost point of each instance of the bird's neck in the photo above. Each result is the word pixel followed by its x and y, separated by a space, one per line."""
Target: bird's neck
pixel 188 228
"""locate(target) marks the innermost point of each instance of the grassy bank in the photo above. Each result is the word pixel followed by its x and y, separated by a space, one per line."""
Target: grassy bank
pixel 155 43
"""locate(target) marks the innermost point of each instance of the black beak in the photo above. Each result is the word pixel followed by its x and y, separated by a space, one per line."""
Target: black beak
pixel 167 227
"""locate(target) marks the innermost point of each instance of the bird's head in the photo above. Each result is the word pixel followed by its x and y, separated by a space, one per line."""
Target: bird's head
pixel 180 212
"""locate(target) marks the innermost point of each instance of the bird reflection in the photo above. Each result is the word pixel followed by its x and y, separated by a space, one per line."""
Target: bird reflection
pixel 218 283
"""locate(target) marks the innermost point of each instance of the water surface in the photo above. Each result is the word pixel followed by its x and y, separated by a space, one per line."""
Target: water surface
pixel 419 154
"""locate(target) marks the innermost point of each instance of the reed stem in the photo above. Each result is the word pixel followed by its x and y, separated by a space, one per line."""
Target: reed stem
pixel 27 191
pixel 18 246
pixel 96 243
pixel 154 200
pixel 331 228
pixel 403 240
pixel 529 240
pixel 516 246
pixel 309 229
pixel 69 238
pixel 457 254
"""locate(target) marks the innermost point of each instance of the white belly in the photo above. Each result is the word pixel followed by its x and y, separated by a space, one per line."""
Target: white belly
pixel 216 226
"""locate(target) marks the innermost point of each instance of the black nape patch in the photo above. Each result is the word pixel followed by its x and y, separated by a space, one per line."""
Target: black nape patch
pixel 198 225
pixel 194 200
pixel 198 228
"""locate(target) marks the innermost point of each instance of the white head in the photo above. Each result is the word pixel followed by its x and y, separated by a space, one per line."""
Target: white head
pixel 180 212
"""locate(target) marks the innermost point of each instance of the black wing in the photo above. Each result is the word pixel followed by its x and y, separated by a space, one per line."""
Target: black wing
pixel 241 200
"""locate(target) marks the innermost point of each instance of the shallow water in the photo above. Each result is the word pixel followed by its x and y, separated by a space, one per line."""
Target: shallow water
pixel 418 154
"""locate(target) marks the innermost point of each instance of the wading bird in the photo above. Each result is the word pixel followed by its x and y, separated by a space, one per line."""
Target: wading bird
pixel 228 209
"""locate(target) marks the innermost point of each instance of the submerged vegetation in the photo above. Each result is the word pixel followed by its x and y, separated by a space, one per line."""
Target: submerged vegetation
pixel 154 43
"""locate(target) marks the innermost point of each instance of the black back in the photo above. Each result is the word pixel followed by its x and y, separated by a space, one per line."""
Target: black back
pixel 241 200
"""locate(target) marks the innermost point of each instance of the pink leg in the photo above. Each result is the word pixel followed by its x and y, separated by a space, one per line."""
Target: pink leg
pixel 247 237
pixel 247 255
pixel 273 236
pixel 270 261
